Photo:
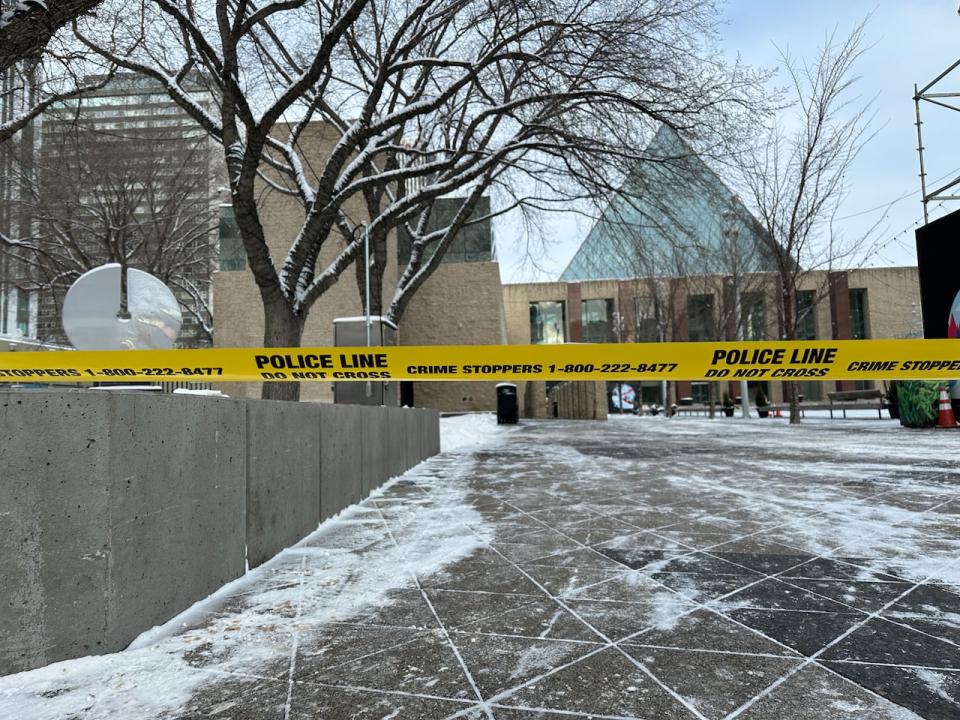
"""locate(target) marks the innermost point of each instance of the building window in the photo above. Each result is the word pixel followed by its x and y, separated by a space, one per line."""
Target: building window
pixel 806 315
pixel 811 390
pixel 4 309
pixel 596 321
pixel 858 314
pixel 645 309
pixel 23 311
pixel 548 322
pixel 753 316
pixel 700 323
pixel 232 254
pixel 701 392
pixel 473 243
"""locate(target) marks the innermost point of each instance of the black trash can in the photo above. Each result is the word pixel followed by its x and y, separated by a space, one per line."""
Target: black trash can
pixel 507 410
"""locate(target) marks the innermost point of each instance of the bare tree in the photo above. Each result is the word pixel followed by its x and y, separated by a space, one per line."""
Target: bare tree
pixel 424 100
pixel 797 176
pixel 41 63
pixel 27 26
pixel 95 198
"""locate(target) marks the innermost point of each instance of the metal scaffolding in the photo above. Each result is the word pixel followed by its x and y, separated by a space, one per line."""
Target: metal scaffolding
pixel 936 98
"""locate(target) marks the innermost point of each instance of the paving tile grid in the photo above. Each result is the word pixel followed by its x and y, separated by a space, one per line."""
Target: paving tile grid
pixel 629 569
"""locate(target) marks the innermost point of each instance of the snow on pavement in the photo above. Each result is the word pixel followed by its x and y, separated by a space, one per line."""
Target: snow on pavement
pixel 639 568
pixel 348 564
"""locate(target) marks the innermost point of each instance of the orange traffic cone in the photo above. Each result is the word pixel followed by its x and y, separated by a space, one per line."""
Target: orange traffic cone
pixel 946 418
pixel 777 411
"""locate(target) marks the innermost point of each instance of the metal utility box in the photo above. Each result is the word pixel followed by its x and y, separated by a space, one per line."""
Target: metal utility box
pixel 508 410
pixel 352 332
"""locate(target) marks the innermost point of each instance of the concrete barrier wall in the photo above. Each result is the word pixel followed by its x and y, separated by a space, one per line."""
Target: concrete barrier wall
pixel 120 510
pixel 580 400
pixel 283 476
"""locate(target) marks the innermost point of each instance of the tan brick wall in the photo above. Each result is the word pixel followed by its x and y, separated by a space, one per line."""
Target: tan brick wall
pixel 460 304
pixel 893 301
pixel 238 313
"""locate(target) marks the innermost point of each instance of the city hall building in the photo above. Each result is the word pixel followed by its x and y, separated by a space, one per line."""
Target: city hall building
pixel 676 257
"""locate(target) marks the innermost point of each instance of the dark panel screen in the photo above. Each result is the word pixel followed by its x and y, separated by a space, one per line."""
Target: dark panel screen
pixel 938 259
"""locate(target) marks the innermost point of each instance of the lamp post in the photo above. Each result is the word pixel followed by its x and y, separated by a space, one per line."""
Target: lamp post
pixel 731 235
pixel 366 273
pixel 618 327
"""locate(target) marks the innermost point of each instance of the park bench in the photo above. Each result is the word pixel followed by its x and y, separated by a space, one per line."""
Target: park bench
pixel 844 397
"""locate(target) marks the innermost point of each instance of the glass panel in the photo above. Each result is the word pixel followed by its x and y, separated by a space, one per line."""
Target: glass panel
pixel 701 392
pixel 232 255
pixel 858 314
pixel 811 390
pixel 547 322
pixel 474 242
pixel 23 311
pixel 806 315
pixel 753 316
pixel 595 320
pixel 700 324
pixel 645 307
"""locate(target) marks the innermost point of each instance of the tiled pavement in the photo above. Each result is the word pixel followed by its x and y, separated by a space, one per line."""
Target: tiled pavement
pixel 633 569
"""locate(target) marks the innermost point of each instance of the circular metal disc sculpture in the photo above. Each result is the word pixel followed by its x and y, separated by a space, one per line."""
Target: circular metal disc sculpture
pixel 91 311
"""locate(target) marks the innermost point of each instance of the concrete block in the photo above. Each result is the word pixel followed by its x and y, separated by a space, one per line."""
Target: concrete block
pixel 283 476
pixel 429 433
pixel 411 443
pixel 54 540
pixel 341 457
pixel 423 421
pixel 375 466
pixel 112 498
pixel 435 433
pixel 177 466
pixel 396 441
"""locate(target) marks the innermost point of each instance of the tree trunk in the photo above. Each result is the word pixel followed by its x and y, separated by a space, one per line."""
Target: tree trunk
pixel 794 403
pixel 282 329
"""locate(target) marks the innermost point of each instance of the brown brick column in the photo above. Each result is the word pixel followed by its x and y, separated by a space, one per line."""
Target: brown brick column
pixel 727 305
pixel 678 293
pixel 626 290
pixel 840 322
pixel 574 313
pixel 681 332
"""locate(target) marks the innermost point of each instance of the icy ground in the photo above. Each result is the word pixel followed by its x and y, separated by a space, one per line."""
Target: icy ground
pixel 639 568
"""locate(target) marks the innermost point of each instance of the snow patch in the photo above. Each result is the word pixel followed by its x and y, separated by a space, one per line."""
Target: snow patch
pixel 343 570
pixel 467 432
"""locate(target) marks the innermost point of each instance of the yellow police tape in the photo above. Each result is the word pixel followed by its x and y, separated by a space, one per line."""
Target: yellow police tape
pixel 811 360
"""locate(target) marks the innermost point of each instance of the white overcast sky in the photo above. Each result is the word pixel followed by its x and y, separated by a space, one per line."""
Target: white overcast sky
pixel 911 41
